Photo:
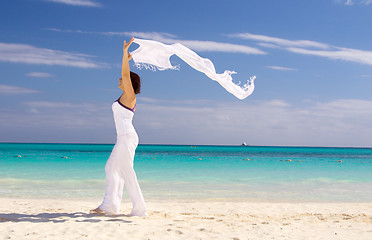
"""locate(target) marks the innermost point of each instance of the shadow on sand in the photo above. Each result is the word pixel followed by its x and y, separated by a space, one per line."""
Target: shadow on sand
pixel 61 217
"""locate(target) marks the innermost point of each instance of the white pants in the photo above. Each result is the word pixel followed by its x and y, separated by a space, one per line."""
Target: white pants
pixel 119 170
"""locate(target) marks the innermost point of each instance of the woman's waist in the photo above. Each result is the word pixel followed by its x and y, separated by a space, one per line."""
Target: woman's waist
pixel 123 123
pixel 122 128
pixel 126 135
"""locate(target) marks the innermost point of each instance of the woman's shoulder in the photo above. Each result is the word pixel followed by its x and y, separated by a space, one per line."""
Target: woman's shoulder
pixel 130 105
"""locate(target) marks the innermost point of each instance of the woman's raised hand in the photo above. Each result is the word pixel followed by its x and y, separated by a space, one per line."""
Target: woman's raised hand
pixel 126 45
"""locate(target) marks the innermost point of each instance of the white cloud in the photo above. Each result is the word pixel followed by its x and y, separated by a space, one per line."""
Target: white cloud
pixel 66 106
pixel 353 2
pixel 349 2
pixel 45 104
pixel 367 2
pixel 311 48
pixel 39 74
pixel 84 3
pixel 347 54
pixel 343 122
pixel 366 76
pixel 276 103
pixel 205 46
pixel 23 53
pixel 210 46
pixel 8 90
pixel 268 45
pixel 68 114
pixel 282 68
pixel 57 122
pixel 148 100
pixel 280 41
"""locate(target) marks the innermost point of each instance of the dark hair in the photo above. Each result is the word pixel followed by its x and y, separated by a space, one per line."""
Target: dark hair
pixel 136 82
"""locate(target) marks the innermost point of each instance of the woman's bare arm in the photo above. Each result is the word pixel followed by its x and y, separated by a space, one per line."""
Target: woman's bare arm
pixel 129 97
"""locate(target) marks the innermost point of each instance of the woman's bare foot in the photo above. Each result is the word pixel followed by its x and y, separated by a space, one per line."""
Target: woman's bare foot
pixel 97 211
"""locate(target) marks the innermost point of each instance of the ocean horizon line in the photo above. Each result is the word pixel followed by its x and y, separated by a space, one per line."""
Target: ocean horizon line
pixel 192 145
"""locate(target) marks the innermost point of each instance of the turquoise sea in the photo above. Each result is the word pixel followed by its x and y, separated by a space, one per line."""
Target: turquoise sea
pixel 168 172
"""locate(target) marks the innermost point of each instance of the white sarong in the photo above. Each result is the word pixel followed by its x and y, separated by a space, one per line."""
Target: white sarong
pixel 155 55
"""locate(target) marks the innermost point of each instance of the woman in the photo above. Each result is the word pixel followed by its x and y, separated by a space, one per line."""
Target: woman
pixel 119 167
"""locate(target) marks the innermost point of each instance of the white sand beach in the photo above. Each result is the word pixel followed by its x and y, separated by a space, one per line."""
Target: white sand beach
pixel 207 219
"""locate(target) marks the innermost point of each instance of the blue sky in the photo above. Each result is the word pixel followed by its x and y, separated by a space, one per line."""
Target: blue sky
pixel 60 61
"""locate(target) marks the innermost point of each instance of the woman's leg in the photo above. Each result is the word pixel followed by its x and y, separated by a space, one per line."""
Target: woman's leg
pixel 114 183
pixel 130 178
